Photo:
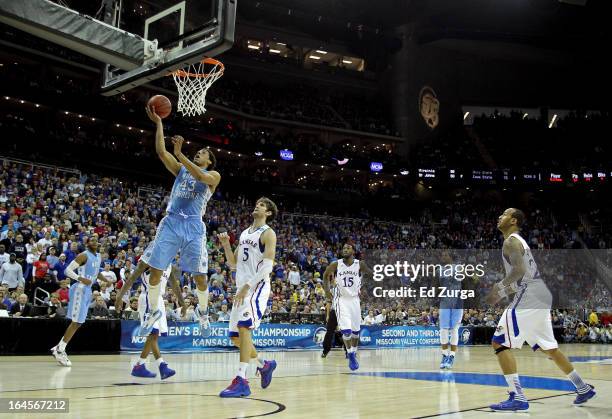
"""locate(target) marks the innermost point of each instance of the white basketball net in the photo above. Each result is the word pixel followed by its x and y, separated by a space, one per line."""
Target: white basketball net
pixel 192 84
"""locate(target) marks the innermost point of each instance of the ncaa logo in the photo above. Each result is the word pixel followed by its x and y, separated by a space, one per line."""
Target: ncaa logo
pixel 136 338
pixel 319 335
pixel 465 336
pixel 364 336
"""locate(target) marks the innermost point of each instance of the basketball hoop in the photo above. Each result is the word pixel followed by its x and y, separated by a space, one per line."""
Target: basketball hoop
pixel 193 83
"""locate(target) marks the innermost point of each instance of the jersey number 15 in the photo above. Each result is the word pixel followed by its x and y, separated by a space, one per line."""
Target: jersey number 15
pixel 348 282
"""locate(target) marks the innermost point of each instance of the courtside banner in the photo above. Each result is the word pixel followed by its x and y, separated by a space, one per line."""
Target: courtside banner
pixel 185 337
pixel 380 337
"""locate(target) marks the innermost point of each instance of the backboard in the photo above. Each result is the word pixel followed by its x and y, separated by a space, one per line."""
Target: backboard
pixel 137 40
pixel 183 31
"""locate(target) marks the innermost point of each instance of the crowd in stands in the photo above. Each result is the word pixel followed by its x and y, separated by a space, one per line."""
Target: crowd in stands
pixel 46 216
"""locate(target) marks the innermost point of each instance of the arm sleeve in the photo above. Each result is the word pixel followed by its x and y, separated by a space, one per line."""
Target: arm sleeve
pixel 70 273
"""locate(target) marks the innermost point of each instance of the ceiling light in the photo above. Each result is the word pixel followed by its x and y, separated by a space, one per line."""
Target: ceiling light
pixel 314 57
pixel 321 52
pixel 274 51
pixel 347 61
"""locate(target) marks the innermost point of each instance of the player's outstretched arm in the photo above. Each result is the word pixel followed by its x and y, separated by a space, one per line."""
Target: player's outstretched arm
pixel 175 284
pixel 160 147
pixel 140 268
pixel 102 278
pixel 211 178
pixel 80 260
pixel 230 255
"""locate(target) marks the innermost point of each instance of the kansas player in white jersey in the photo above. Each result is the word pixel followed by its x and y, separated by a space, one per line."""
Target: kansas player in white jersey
pixel 253 260
pixel 182 229
pixel 527 319
pixel 451 313
pixel 345 275
pixel 88 266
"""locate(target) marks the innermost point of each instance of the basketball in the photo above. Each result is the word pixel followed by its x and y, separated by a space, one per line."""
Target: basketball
pixel 161 105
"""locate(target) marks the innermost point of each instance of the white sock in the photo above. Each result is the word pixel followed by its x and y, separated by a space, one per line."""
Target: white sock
pixel 159 361
pixel 153 297
pixel 351 349
pixel 202 300
pixel 141 361
pixel 445 352
pixel 515 386
pixel 452 353
pixel 61 346
pixel 580 385
pixel 260 360
pixel 242 370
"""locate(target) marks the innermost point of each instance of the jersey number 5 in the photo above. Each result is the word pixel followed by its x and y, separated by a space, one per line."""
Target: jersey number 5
pixel 246 254
pixel 348 282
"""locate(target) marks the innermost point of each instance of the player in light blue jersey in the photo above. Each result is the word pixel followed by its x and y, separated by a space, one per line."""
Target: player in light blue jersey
pixel 182 229
pixel 88 264
pixel 451 312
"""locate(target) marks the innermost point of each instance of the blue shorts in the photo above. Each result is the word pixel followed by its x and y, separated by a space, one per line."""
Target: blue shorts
pixel 450 318
pixel 178 234
pixel 78 302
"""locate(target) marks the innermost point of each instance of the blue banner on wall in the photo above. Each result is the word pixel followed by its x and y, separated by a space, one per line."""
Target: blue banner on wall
pixel 185 337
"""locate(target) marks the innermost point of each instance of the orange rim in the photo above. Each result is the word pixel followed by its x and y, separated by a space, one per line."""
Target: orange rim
pixel 207 60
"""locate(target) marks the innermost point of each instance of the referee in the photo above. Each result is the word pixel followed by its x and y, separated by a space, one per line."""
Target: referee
pixel 331 326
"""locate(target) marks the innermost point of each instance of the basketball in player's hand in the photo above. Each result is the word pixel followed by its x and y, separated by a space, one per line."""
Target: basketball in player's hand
pixel 161 105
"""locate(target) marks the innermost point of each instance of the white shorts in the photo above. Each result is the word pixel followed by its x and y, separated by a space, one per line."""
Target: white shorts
pixel 531 325
pixel 348 313
pixel 161 326
pixel 249 313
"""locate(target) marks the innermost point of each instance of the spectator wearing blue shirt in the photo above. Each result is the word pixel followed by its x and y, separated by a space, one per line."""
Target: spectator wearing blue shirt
pixel 215 290
pixel 4 298
pixel 52 258
pixel 72 252
pixel 60 267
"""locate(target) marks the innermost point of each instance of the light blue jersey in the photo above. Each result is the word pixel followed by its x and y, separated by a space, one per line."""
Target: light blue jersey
pixel 182 229
pixel 189 196
pixel 80 294
pixel 451 284
pixel 451 308
pixel 92 267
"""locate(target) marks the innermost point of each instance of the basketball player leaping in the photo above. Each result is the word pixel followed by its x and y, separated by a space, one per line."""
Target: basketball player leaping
pixel 169 276
pixel 80 295
pixel 182 229
pixel 348 273
pixel 253 260
pixel 527 319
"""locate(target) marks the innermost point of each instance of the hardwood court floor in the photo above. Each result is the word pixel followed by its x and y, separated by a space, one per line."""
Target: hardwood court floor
pixel 391 383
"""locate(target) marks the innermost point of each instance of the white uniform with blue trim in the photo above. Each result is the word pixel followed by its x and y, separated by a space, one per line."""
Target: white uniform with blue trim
pixel 182 229
pixel 250 258
pixel 527 319
pixel 161 326
pixel 346 296
pixel 80 294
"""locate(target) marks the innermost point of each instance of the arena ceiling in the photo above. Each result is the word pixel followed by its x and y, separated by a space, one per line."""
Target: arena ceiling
pixel 475 26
